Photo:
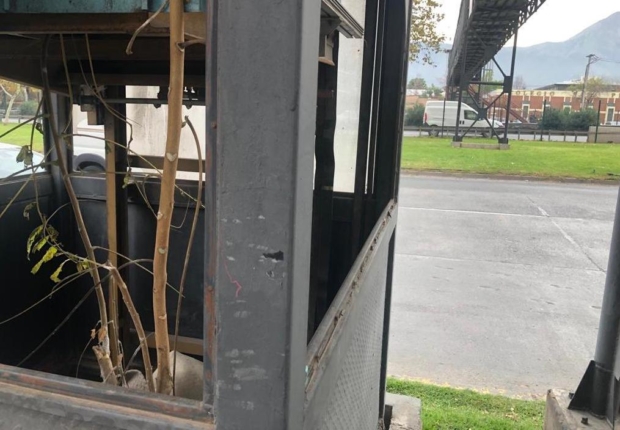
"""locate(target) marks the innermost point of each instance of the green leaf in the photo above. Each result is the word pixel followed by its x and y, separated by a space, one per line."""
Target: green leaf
pixel 33 236
pixel 51 253
pixel 28 159
pixel 23 152
pixel 52 232
pixel 27 210
pixel 56 274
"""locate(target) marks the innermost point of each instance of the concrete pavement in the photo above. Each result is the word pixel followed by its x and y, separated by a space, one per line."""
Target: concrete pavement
pixel 498 284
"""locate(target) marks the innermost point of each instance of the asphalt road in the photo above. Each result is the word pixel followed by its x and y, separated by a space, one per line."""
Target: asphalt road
pixel 498 284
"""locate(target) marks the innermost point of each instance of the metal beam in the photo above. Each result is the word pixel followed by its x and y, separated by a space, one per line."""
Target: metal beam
pixel 262 131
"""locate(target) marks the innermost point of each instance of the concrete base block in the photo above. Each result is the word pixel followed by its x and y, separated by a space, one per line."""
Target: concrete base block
pixel 402 412
pixel 494 146
pixel 558 417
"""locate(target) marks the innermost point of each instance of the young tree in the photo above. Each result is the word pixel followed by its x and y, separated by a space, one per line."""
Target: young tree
pixel 433 91
pixel 488 76
pixel 417 83
pixel 519 83
pixel 424 38
pixel 12 90
pixel 594 87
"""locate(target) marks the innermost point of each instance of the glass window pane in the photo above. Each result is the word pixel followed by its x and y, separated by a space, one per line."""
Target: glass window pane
pixel 350 57
pixel 18 103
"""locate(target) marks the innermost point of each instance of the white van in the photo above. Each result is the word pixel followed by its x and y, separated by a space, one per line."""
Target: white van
pixel 434 118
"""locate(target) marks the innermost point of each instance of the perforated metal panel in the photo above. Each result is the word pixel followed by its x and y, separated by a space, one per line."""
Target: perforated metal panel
pixel 354 402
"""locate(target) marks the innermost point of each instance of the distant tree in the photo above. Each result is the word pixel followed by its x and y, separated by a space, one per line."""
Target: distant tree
pixel 12 90
pixel 434 91
pixel 417 83
pixel 488 76
pixel 519 83
pixel 424 38
pixel 594 88
pixel 414 116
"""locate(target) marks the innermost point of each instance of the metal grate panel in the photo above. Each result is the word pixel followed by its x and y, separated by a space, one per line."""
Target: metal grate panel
pixel 354 401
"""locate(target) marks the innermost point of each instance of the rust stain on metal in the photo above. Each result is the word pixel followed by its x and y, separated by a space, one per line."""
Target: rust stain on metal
pixel 338 319
pixel 210 334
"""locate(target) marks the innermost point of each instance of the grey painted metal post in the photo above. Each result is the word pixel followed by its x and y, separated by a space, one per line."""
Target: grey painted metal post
pixel 456 137
pixel 266 89
pixel 609 325
pixel 598 390
pixel 511 79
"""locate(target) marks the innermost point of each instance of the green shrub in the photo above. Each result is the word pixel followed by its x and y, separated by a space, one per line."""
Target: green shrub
pixel 414 116
pixel 28 108
pixel 574 121
pixel 554 119
pixel 582 120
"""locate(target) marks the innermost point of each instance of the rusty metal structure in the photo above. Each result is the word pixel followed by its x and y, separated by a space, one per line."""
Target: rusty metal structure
pixel 288 295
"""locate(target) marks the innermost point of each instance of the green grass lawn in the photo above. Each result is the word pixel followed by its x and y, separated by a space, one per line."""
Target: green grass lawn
pixel 450 409
pixel 543 159
pixel 21 136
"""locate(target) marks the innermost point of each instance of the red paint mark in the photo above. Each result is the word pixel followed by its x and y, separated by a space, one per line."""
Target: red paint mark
pixel 232 280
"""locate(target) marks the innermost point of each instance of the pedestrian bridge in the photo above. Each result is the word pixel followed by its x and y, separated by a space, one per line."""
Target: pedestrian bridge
pixel 484 27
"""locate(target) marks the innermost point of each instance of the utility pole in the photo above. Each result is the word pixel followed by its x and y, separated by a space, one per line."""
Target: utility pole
pixel 591 60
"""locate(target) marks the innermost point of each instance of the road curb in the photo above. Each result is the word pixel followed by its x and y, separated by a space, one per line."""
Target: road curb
pixel 504 177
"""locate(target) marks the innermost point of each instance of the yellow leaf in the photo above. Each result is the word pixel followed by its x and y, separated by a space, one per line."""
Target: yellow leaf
pixel 40 244
pixel 56 274
pixel 51 253
pixel 33 236
pixel 82 266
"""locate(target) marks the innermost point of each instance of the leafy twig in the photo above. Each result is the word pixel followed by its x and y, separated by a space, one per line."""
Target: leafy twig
pixel 81 225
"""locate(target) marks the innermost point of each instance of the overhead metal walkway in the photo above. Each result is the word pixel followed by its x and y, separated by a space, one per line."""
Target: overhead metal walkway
pixel 484 27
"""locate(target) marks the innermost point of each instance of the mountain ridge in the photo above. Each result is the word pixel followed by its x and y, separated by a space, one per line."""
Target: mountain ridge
pixel 549 62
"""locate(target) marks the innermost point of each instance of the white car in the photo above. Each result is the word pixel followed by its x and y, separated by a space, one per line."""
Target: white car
pixel 436 116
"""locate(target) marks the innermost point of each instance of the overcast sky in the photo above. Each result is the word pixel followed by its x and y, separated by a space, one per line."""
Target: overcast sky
pixel 555 21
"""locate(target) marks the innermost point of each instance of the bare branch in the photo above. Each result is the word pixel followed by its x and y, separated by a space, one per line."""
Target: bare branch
pixel 189 250
pixel 137 322
pixel 166 199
